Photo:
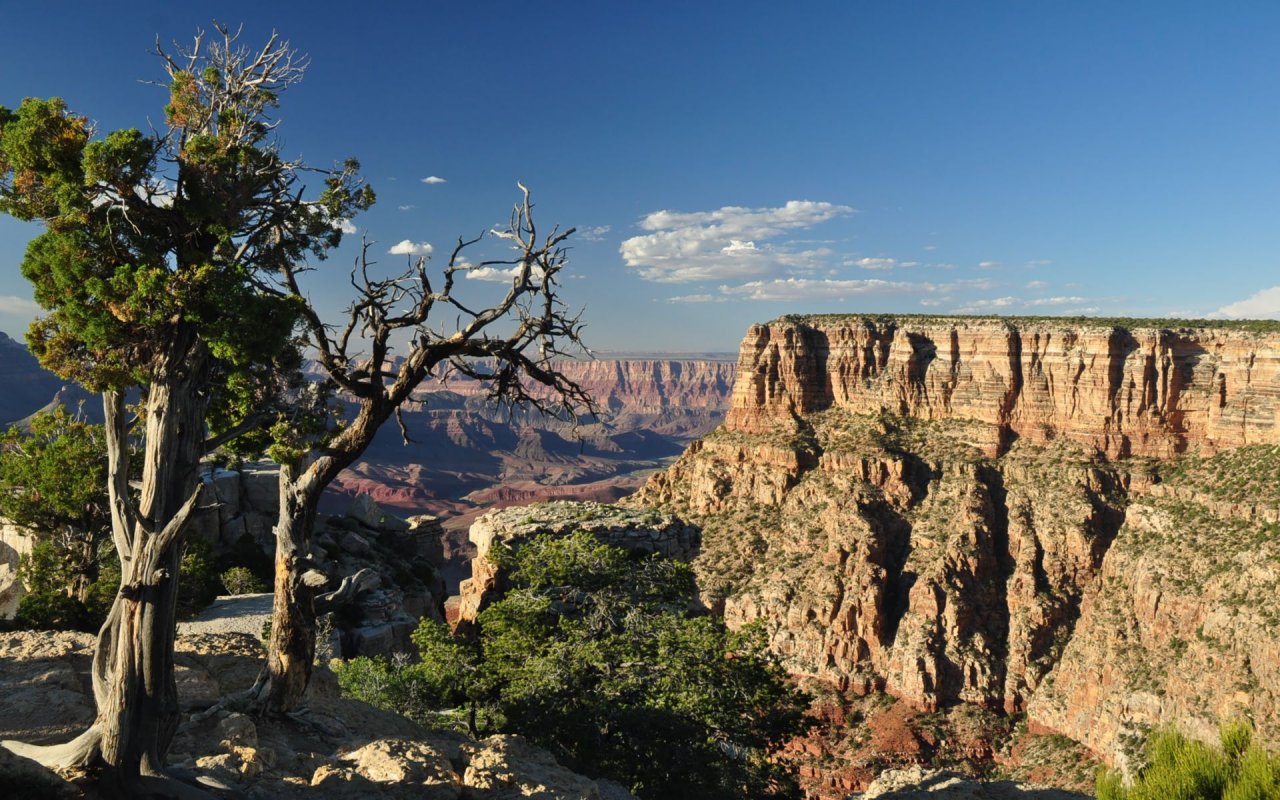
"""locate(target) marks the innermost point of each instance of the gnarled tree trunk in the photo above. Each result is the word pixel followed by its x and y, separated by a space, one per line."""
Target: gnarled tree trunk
pixel 132 673
pixel 298 582
pixel 292 646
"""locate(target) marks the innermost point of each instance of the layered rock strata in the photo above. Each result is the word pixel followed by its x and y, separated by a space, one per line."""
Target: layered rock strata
pixel 1075 522
pixel 237 517
pixel 1145 390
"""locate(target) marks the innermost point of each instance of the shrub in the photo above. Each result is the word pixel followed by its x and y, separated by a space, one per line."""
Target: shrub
pixel 1181 769
pixel 240 580
pixel 198 582
pixel 595 655
pixel 52 611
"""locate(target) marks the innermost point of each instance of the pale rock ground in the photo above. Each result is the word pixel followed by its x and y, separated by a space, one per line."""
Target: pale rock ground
pixel 335 748
pixel 919 783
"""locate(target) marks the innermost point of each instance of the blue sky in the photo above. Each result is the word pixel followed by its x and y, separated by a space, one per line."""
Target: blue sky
pixel 726 163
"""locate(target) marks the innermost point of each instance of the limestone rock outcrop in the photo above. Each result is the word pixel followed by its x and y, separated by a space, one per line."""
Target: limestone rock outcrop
pixel 237 516
pixel 1076 521
pixel 641 532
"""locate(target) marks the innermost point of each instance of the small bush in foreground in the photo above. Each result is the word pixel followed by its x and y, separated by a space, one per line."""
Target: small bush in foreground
pixel 1181 769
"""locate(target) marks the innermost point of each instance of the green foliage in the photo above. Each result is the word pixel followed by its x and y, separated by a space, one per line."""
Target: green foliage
pixel 52 611
pixel 54 473
pixel 1181 769
pixel 198 581
pixel 241 580
pixel 52 479
pixel 594 655
pixel 151 236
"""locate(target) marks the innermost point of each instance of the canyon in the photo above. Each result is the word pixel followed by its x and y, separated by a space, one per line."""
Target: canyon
pixel 467 455
pixel 1072 524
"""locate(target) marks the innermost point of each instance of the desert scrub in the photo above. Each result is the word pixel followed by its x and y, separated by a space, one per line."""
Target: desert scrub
pixel 1248 474
pixel 1181 769
pixel 241 580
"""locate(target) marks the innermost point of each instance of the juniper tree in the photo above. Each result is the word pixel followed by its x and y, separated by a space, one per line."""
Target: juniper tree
pixel 153 269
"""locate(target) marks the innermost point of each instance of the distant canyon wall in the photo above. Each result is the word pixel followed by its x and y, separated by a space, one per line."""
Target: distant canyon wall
pixel 636 384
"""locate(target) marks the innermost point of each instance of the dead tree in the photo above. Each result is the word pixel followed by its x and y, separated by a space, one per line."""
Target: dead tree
pixel 510 346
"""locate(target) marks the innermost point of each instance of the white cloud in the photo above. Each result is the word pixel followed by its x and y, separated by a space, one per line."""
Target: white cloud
pixel 995 302
pixel 1011 303
pixel 411 248
pixel 976 283
pixel 988 264
pixel 931 302
pixel 874 263
pixel 432 180
pixel 793 289
pixel 1055 301
pixel 930 248
pixel 346 226
pixel 1264 304
pixel 1039 262
pixel 696 298
pixel 728 243
pixel 408 207
pixel 1037 285
pixel 594 234
pixel 492 274
pixel 12 304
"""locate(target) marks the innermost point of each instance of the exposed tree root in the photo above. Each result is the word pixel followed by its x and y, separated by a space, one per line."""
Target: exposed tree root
pixel 85 751
pixel 79 752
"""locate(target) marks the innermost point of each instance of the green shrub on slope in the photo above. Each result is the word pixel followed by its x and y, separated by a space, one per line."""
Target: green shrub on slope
pixel 1181 769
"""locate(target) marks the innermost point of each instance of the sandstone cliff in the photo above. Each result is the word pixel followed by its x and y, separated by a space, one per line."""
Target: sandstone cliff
pixel 1145 390
pixel 1075 521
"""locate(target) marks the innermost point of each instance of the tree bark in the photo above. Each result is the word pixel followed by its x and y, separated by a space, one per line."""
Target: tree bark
pixel 132 672
pixel 292 647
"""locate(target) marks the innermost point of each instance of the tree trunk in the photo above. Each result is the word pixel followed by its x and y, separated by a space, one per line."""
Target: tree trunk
pixel 133 681
pixel 292 647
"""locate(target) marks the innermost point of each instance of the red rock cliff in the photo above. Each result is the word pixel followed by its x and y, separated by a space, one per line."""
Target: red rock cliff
pixel 967 510
pixel 1142 391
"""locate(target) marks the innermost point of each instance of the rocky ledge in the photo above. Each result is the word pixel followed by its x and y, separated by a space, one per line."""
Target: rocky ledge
pixel 636 531
pixel 336 748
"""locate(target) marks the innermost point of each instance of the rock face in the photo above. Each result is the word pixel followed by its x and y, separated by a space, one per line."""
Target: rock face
pixel 1123 391
pixel 14 544
pixel 1079 523
pixel 641 532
